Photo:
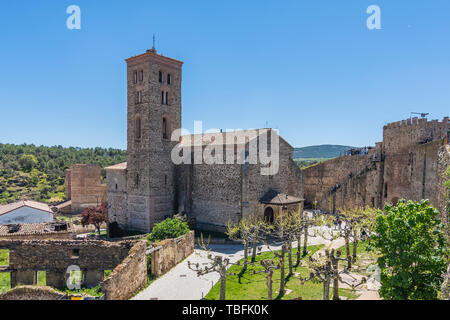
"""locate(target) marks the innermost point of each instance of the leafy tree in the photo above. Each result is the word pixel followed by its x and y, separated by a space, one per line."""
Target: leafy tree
pixel 28 162
pixel 168 229
pixel 95 216
pixel 413 250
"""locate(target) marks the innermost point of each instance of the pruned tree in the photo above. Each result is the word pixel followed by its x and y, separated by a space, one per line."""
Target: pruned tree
pixel 326 270
pixel 250 231
pixel 286 231
pixel 95 216
pixel 217 264
pixel 269 267
pixel 359 224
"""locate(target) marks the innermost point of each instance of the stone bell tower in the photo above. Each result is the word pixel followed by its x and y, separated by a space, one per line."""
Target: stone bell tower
pixel 154 112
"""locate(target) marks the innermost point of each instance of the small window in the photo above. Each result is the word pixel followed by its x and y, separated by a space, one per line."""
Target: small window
pixel 166 100
pixel 137 127
pixel 139 97
pixel 135 77
pixel 75 253
pixel 169 79
pixel 162 97
pixel 165 179
pixel 141 76
pixel 160 77
pixel 165 129
pixel 117 186
pixel 136 182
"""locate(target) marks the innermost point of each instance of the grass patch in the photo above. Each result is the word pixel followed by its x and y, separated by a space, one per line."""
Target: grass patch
pixel 251 286
pixel 41 278
pixel 94 291
pixel 4 257
pixel 361 248
pixel 5 282
pixel 103 233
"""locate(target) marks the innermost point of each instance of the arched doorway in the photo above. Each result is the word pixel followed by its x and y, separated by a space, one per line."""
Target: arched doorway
pixel 269 215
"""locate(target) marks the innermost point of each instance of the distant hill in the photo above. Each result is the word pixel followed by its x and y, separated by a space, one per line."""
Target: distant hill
pixel 326 151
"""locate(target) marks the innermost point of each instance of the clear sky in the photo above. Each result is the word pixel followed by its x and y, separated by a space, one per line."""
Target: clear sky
pixel 311 68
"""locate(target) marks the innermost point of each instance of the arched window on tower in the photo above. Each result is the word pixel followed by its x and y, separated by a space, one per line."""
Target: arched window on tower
pixel 137 127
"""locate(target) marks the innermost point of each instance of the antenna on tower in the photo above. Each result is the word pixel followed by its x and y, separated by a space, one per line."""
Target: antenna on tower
pixel 154 40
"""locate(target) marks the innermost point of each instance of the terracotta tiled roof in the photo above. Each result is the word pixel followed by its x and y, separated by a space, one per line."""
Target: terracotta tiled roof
pixel 24 203
pixel 120 166
pixel 279 199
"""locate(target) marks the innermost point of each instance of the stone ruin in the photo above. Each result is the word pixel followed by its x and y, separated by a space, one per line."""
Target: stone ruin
pixel 126 260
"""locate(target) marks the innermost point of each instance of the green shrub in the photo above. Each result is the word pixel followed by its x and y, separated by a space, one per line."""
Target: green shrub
pixel 413 251
pixel 168 229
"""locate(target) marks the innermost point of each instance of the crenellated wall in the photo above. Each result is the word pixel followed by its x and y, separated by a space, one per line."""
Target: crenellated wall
pixel 403 166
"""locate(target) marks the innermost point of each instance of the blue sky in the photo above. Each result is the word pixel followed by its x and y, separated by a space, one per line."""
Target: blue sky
pixel 312 69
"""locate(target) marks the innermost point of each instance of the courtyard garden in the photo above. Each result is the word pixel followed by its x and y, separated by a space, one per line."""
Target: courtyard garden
pixel 251 284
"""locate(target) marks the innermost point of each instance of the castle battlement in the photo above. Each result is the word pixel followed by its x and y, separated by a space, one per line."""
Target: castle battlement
pixel 416 122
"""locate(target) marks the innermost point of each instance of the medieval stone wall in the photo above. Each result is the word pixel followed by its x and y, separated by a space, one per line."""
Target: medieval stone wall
pixel 117 197
pixel 403 166
pixel 320 179
pixel 26 258
pixel 84 187
pixel 128 277
pixel 443 193
pixel 170 252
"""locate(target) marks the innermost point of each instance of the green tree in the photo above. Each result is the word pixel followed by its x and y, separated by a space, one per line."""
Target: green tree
pixel 27 162
pixel 413 249
pixel 168 229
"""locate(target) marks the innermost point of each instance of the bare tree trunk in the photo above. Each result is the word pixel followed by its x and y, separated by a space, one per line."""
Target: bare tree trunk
pixel 299 247
pixel 335 264
pixel 326 288
pixel 269 285
pixel 291 271
pixel 223 284
pixel 347 249
pixel 305 241
pixel 355 246
pixel 282 276
pixel 255 245
pixel 245 255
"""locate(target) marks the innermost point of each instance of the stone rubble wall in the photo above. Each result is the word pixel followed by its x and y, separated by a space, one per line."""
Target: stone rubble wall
pixel 27 258
pixel 443 194
pixel 170 252
pixel 128 277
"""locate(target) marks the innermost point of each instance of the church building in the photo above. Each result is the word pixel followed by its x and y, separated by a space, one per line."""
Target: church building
pixel 151 187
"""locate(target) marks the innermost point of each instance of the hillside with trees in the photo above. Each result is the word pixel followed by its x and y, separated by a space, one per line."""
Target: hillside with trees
pixel 38 173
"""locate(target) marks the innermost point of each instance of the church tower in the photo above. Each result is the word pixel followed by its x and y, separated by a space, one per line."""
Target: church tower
pixel 154 112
